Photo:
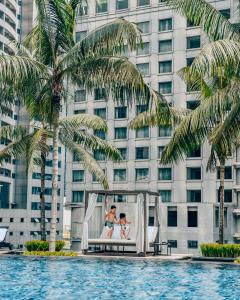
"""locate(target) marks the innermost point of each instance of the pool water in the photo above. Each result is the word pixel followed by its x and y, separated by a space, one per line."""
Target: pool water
pixel 31 278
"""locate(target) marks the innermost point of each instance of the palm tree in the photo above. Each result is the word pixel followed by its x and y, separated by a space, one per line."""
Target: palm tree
pixel 94 62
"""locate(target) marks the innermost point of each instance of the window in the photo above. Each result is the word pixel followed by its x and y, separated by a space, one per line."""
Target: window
pixel 144 27
pixel 100 94
pixel 11 220
pixel 143 2
pixel 227 174
pixel 99 156
pixel 141 108
pixel 21 233
pixel 78 175
pixel 77 196
pixel 143 69
pixel 11 233
pixel 190 24
pixel 194 195
pixel 165 46
pixel 120 112
pixel 195 153
pixel 143 49
pixel 123 152
pixel 22 220
pixel 120 198
pixel 100 133
pixel 94 178
pixel 5 172
pixel 164 174
pixel 166 195
pixel 76 157
pixel 1 220
pixel 193 42
pixel 226 13
pixel 190 61
pixel 165 87
pixel 83 9
pixel 160 151
pixel 172 216
pixel 142 174
pixel 192 244
pixel 192 217
pixel 192 104
pixel 80 35
pixel 194 173
pixel 164 131
pixel 101 6
pixel 228 197
pixel 120 133
pixel 165 66
pixel 173 243
pixel 142 132
pixel 120 175
pixel 165 24
pixel 37 206
pixel 142 152
pixel 100 112
pixel 122 4
pixel 79 111
pixel 80 96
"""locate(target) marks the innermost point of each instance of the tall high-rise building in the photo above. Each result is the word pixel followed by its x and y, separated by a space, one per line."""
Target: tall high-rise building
pixel 189 202
pixel 19 191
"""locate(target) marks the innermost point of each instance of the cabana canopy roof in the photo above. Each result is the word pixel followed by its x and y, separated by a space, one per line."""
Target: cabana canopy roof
pixel 122 192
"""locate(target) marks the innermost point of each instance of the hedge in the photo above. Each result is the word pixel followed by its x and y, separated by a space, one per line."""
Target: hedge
pixel 220 250
pixel 38 245
pixel 48 253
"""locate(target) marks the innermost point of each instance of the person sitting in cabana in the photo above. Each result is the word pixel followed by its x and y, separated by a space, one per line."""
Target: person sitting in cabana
pixel 111 219
pixel 123 222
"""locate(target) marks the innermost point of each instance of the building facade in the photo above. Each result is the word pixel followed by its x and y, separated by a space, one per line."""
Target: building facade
pixel 188 194
pixel 20 192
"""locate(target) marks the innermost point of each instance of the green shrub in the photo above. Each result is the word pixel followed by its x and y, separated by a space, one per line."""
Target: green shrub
pixel 219 250
pixel 48 253
pixel 37 245
pixel 237 261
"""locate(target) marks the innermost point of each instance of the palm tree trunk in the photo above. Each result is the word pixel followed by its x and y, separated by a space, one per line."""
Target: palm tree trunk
pixel 42 197
pixel 56 110
pixel 221 195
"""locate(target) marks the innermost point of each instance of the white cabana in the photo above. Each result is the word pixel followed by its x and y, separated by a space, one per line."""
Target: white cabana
pixel 90 209
pixel 140 224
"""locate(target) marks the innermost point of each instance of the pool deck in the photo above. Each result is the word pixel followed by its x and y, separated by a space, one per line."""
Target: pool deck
pixel 148 257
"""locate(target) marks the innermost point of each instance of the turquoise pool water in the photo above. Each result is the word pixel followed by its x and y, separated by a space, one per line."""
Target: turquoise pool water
pixel 29 278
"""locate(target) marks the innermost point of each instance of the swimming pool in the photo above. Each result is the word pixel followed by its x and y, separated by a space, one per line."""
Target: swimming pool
pixel 30 278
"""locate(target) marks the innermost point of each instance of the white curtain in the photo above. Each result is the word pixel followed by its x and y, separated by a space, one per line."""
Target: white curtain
pixel 91 205
pixel 140 224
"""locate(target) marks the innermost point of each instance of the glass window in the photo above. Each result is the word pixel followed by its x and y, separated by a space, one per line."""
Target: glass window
pixel 76 157
pixel 100 112
pixel 194 195
pixel 165 66
pixel 143 2
pixel 144 27
pixel 120 175
pixel 80 35
pixel 4 194
pixel 83 9
pixel 192 244
pixel 141 108
pixel 166 195
pixel 100 133
pixel 123 152
pixel 192 104
pixel 165 174
pixel 142 152
pixel 77 196
pixel 120 112
pixel 195 153
pixel 120 198
pixel 142 174
pixel 172 216
pixel 122 4
pixel 194 173
pixel 100 94
pixel 143 49
pixel 79 111
pixel 165 24
pixel 226 13
pixel 165 87
pixel 94 178
pixel 193 42
pixel 143 68
pixel 228 197
pixel 78 175
pixel 121 133
pixel 164 131
pixel 190 61
pixel 227 174
pixel 101 6
pixel 80 96
pixel 190 24
pixel 98 155
pixel 173 243
pixel 160 151
pixel 165 46
pixel 142 132
pixel 192 217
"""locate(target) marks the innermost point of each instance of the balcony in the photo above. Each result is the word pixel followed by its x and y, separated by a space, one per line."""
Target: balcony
pixel 236 236
pixel 236 212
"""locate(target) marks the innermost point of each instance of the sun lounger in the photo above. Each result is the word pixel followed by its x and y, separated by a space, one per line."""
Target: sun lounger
pixel 3 233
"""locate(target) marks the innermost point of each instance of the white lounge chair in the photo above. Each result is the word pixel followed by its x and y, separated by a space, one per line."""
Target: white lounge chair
pixel 3 233
pixel 116 237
